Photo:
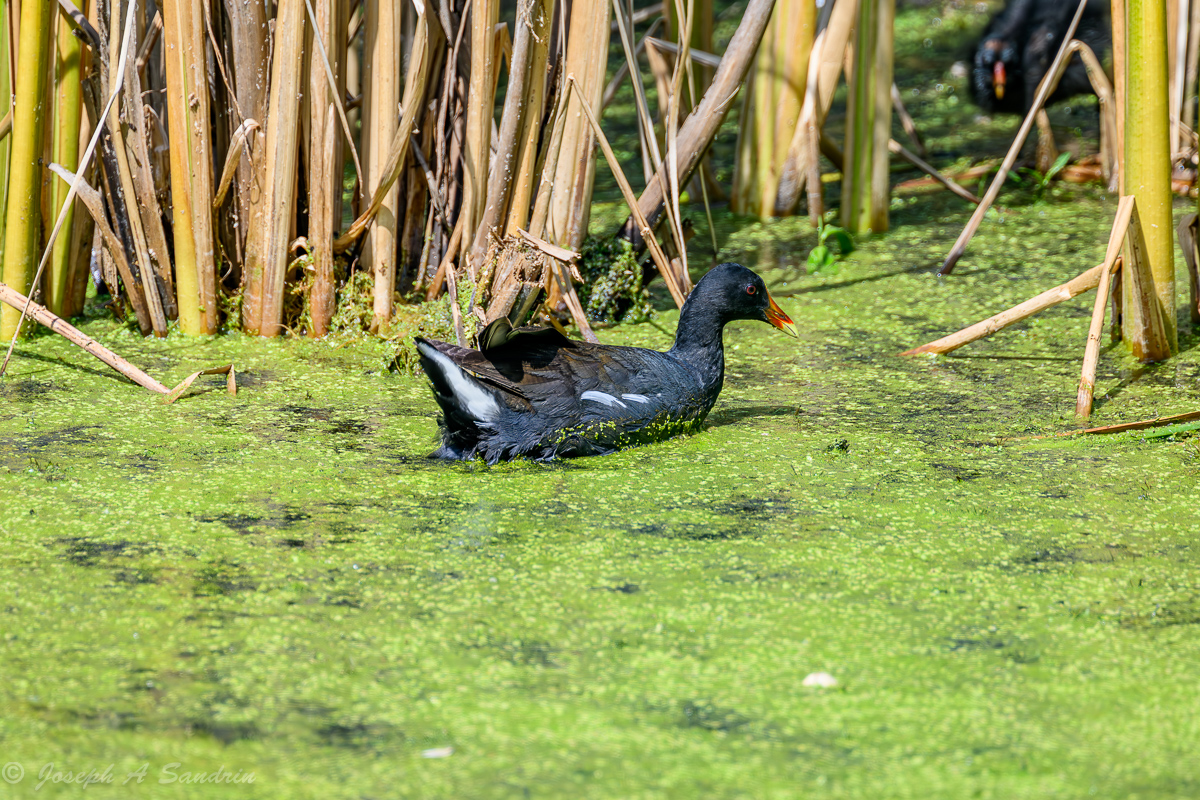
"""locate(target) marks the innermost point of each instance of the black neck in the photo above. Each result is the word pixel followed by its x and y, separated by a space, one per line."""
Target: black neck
pixel 698 341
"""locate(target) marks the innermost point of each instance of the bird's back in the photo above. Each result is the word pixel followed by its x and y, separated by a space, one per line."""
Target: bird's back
pixel 560 397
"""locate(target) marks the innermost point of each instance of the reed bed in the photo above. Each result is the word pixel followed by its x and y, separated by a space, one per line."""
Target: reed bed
pixel 308 165
pixel 262 166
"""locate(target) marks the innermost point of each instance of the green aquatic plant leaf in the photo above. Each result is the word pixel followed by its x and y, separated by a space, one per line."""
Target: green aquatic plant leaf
pixel 1058 165
pixel 820 257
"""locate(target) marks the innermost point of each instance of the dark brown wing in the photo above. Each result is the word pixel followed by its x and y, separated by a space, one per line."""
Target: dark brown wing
pixel 512 358
pixel 541 367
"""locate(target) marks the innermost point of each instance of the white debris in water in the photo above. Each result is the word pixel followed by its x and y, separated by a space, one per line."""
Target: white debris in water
pixel 437 752
pixel 959 69
pixel 822 679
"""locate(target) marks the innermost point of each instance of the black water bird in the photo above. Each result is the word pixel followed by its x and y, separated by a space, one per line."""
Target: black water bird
pixel 1019 45
pixel 533 392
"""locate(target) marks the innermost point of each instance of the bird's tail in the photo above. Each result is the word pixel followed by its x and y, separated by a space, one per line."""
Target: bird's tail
pixel 469 408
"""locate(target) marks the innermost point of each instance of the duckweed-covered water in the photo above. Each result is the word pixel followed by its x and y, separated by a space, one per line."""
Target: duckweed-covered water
pixel 281 584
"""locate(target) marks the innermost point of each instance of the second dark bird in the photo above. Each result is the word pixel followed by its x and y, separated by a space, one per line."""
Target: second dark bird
pixel 1019 45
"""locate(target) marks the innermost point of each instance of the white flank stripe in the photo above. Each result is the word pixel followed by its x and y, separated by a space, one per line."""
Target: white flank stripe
pixel 602 397
pixel 478 402
pixel 637 398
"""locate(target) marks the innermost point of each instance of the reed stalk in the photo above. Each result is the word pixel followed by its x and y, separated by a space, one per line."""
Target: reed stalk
pixel 192 159
pixel 1192 66
pixel 177 41
pixel 249 48
pixel 68 114
pixel 138 155
pixel 7 107
pixel 478 133
pixel 381 97
pixel 865 191
pixel 1148 163
pixel 699 129
pixel 325 159
pixel 586 57
pixel 771 106
pixel 512 123
pixel 802 164
pixel 1091 351
pixel 126 204
pixel 267 242
pixel 698 80
pixel 1177 39
pixel 23 224
pixel 1143 326
pixel 15 301
pixel 535 96
pixel 1081 283
pixel 1119 63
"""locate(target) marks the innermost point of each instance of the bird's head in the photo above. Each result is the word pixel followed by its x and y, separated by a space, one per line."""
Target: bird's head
pixel 739 293
pixel 991 78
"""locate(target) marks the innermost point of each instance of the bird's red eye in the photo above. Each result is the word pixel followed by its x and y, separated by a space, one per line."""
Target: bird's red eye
pixel 751 289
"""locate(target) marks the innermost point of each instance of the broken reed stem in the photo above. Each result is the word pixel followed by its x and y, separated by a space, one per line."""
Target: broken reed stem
pixel 1091 351
pixel 931 171
pixel 1119 428
pixel 42 315
pixel 1143 326
pixel 1075 286
pixel 1048 84
pixel 15 300
pixel 656 253
pixel 906 122
pixel 1108 117
pixel 610 91
pixel 560 257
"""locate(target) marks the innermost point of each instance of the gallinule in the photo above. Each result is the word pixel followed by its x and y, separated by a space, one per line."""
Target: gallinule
pixel 1019 44
pixel 533 392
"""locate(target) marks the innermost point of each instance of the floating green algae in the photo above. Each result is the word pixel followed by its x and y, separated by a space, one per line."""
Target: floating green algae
pixel 281 583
